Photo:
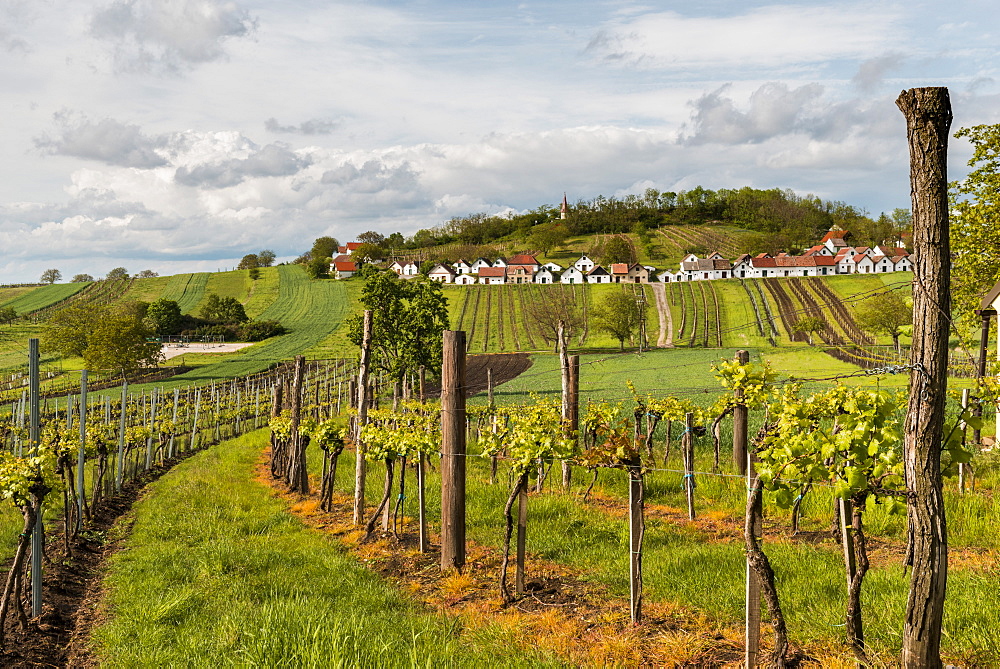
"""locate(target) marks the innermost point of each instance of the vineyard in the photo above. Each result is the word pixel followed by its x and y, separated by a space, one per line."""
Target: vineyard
pixel 574 561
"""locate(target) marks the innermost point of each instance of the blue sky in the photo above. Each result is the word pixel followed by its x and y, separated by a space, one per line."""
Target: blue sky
pixel 178 135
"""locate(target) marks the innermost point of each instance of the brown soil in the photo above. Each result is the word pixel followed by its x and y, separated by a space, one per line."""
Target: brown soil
pixel 73 587
pixel 505 366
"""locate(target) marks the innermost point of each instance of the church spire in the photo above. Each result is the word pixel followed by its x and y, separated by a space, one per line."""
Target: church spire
pixel 564 209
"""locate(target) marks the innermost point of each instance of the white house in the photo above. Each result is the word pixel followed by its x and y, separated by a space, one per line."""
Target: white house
pixel 466 279
pixel 480 263
pixel 396 267
pixel 442 273
pixel 344 269
pixel 573 275
pixel 499 262
pixel 553 267
pixel 493 275
pixel 883 264
pixel 598 275
pixel 584 264
pixel 903 263
pixel 666 276
pixel 411 269
pixel 863 264
pixel 545 275
pixel 461 267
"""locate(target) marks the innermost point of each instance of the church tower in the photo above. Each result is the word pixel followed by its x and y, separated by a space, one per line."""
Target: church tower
pixel 564 209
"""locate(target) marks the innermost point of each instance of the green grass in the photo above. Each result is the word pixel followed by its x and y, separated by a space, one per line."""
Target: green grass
pixel 186 290
pixel 263 292
pixel 215 572
pixel 8 295
pixel 235 284
pixel 44 296
pixel 148 289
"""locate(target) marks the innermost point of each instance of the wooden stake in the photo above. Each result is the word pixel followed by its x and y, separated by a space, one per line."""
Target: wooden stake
pixel 522 536
pixel 752 638
pixel 359 459
pixel 453 451
pixel 688 453
pixel 740 423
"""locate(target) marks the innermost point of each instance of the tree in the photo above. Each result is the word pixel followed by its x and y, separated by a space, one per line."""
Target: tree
pixel 51 276
pixel 249 261
pixel 809 325
pixel 884 313
pixel 223 310
pixel 265 258
pixel 408 318
pixel 372 237
pixel 548 237
pixel 318 268
pixel 551 306
pixel 616 250
pixel 164 317
pixel 367 252
pixel 146 274
pixel 81 278
pixel 7 315
pixel 114 337
pixel 975 208
pixel 254 273
pixel 619 315
pixel 324 247
pixel 118 273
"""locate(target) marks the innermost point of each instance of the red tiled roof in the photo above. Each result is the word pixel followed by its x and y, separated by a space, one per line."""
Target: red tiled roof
pixel 763 262
pixel 619 268
pixel 523 259
pixel 493 272
pixel 835 234
pixel 345 266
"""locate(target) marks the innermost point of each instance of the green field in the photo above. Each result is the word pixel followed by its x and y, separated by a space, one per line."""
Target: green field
pixel 43 296
pixel 186 290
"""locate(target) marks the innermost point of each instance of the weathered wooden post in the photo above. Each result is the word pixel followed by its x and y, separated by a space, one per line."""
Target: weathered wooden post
pixel 740 423
pixel 687 450
pixel 359 451
pixel 298 474
pixel 928 120
pixel 81 493
pixel 453 451
pixel 34 441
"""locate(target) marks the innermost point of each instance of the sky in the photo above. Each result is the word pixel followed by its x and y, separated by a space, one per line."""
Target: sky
pixel 179 135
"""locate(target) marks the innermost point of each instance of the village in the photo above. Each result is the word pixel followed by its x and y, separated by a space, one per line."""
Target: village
pixel 832 256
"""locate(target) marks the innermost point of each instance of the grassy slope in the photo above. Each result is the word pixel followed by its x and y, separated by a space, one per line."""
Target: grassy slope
pixel 227 284
pixel 44 296
pixel 186 290
pixel 217 573
pixel 263 292
pixel 149 289
pixel 8 295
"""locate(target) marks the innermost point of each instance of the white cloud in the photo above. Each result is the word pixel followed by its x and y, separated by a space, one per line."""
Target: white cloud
pixel 108 141
pixel 776 36
pixel 153 35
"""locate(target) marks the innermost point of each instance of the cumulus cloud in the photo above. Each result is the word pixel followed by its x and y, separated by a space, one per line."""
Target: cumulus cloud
pixel 272 160
pixel 774 109
pixel 372 177
pixel 316 126
pixel 108 141
pixel 774 36
pixel 151 35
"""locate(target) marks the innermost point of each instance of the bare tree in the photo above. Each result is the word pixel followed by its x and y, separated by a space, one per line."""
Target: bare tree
pixel 551 305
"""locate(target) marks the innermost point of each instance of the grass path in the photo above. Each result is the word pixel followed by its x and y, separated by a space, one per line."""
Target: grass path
pixel 215 572
pixel 186 290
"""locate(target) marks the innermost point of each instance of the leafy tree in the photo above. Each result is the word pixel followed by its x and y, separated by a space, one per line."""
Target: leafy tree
pixel 809 325
pixel 408 318
pixel 51 276
pixel 146 274
pixel 114 337
pixel 617 249
pixel 7 315
pixel 118 273
pixel 395 241
pixel 254 273
pixel 619 315
pixel 164 316
pixel 975 208
pixel 548 237
pixel 318 268
pixel 367 252
pixel 324 247
pixel 81 278
pixel 265 258
pixel 884 313
pixel 223 310
pixel 372 237
pixel 249 261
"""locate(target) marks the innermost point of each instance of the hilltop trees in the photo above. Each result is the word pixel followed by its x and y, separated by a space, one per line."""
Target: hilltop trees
pixel 118 273
pixel 81 278
pixel 51 276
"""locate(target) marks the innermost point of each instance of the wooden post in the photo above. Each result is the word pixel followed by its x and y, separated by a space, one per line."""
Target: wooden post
pixel 423 381
pixel 961 465
pixel 421 483
pixel 984 343
pixel 489 385
pixel 687 448
pixel 119 463
pixel 298 474
pixel 636 530
pixel 359 455
pixel 522 535
pixel 752 638
pixel 81 456
pixel 34 442
pixel 567 468
pixel 928 120
pixel 740 423
pixel 453 451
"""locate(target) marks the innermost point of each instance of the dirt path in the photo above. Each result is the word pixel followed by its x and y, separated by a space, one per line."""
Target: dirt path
pixel 666 338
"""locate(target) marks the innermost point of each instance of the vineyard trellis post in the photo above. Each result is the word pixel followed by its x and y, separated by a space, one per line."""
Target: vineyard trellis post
pixel 421 471
pixel 687 450
pixel 362 419
pixel 120 461
pixel 152 425
pixel 961 465
pixel 928 120
pixel 984 342
pixel 522 539
pixel 752 639
pixel 81 455
pixel 567 467
pixel 636 532
pixel 34 441
pixel 740 422
pixel 298 475
pixel 453 420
